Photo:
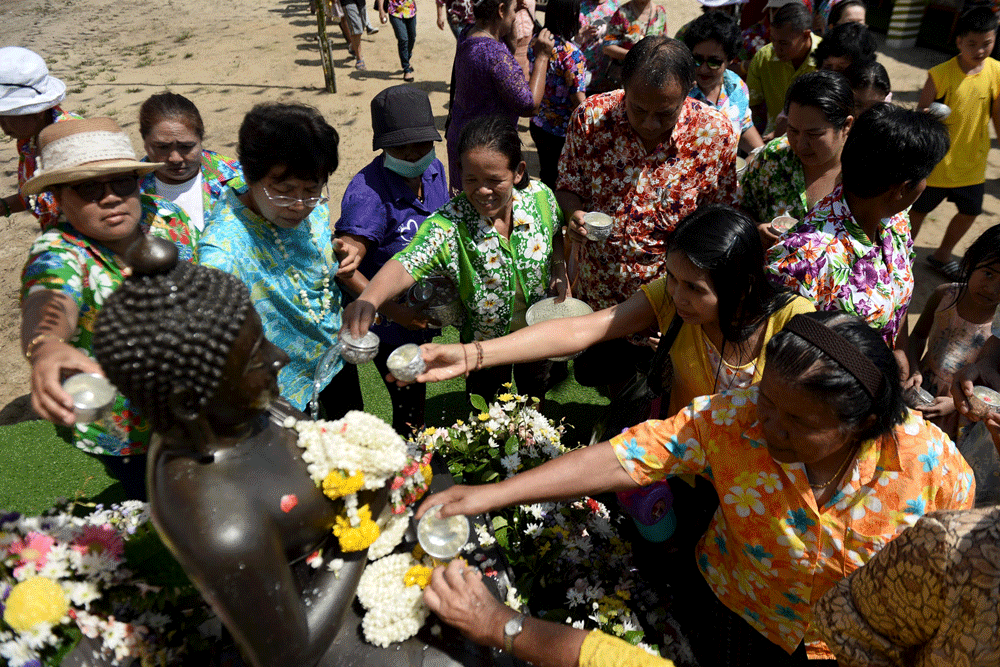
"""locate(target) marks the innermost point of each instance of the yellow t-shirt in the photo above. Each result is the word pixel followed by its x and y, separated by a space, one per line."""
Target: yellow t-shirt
pixel 693 373
pixel 601 650
pixel 768 79
pixel 971 100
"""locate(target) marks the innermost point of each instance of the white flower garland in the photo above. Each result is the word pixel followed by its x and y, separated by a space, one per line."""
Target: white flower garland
pixel 392 527
pixel 325 300
pixel 395 611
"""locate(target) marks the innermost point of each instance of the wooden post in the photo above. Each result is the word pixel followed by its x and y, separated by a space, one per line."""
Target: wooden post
pixel 324 48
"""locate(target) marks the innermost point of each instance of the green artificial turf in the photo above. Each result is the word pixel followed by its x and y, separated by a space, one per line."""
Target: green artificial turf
pixel 37 466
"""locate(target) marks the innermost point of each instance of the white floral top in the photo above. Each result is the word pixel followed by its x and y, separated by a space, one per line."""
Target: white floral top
pixel 457 242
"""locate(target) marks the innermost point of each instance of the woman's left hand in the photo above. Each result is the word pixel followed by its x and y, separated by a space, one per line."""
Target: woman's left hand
pixel 459 597
pixel 348 257
pixel 942 405
pixel 544 43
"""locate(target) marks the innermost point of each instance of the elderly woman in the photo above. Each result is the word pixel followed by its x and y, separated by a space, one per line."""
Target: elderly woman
pixel 853 251
pixel 29 102
pixel 817 467
pixel 92 174
pixel 499 242
pixel 192 177
pixel 712 38
pixel 275 237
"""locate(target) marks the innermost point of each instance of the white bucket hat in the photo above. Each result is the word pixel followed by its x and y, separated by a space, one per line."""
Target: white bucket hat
pixel 721 3
pixel 75 150
pixel 26 87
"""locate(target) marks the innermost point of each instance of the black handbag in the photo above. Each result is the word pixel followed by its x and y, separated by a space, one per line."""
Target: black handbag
pixel 633 403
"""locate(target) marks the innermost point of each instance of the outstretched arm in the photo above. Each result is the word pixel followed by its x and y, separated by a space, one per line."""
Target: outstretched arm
pixel 391 280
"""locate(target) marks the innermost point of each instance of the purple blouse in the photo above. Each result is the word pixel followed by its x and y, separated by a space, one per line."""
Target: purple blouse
pixel 487 81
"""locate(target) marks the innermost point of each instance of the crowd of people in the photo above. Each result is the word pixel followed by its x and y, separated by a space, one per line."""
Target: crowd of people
pixel 764 194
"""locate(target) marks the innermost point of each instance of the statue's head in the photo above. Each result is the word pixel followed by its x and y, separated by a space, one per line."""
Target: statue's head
pixel 180 340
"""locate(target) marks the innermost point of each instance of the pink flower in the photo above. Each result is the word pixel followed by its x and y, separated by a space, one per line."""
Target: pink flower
pixel 34 549
pixel 101 540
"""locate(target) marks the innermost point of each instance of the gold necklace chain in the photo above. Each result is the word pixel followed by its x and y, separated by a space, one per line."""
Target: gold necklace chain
pixel 836 476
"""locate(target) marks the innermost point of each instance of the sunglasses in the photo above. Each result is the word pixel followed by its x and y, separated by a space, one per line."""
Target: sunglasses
pixel 93 191
pixel 713 62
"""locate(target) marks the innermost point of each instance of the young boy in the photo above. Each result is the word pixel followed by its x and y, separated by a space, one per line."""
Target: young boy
pixel 969 83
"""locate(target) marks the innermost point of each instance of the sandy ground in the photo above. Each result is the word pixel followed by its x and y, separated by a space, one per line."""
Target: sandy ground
pixel 227 57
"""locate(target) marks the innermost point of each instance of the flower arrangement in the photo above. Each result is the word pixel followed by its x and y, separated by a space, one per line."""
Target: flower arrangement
pixel 568 562
pixel 391 591
pixel 103 575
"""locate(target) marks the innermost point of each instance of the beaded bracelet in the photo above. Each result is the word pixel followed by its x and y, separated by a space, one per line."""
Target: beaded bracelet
pixel 40 338
pixel 479 355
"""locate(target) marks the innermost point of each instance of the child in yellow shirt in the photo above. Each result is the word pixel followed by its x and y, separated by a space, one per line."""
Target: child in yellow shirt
pixel 969 84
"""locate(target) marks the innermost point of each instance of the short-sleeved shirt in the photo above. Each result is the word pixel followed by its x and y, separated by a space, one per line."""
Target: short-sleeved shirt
pixel 566 76
pixel 971 100
pixel 770 552
pixel 296 296
pixel 734 101
pixel 402 9
pixel 774 183
pixel 459 12
pixel 626 30
pixel 829 259
pixel 597 14
pixel 769 78
pixel 752 40
pixel 380 207
pixel 43 205
pixel 647 193
pixel 878 616
pixel 217 172
pixel 64 260
pixel 487 268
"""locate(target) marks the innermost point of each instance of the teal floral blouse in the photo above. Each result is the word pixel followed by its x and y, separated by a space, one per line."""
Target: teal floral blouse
pixel 774 183
pixel 459 243
pixel 300 318
pixel 64 260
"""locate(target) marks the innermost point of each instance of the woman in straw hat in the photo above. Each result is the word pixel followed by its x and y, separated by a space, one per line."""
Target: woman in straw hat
pixel 29 102
pixel 92 172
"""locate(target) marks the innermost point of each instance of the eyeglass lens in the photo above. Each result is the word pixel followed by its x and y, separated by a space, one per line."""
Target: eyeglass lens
pixel 287 202
pixel 713 63
pixel 93 191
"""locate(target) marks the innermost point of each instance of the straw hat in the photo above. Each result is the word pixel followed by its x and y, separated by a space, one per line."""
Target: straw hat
pixel 75 150
pixel 25 84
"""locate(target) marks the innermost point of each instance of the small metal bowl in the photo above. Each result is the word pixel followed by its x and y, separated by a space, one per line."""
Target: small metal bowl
pixel 783 223
pixel 939 110
pixel 548 309
pixel 918 398
pixel 406 362
pixel 448 314
pixel 983 401
pixel 356 351
pixel 598 225
pixel 92 395
pixel 442 538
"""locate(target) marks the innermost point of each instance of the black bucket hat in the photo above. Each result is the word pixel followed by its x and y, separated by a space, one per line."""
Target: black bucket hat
pixel 402 115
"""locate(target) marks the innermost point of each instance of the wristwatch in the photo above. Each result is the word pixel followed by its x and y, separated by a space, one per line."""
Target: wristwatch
pixel 511 629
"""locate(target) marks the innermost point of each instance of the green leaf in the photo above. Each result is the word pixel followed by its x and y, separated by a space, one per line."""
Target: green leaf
pixel 478 402
pixel 500 522
pixel 490 476
pixel 512 445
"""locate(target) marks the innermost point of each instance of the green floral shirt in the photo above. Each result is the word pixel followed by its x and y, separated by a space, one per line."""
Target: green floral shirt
pixel 774 183
pixel 459 243
pixel 64 260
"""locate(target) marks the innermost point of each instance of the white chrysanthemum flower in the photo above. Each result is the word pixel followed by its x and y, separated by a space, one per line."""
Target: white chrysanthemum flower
pixel 486 538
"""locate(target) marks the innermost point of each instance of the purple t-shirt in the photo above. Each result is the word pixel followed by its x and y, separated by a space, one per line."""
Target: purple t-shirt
pixel 379 206
pixel 488 80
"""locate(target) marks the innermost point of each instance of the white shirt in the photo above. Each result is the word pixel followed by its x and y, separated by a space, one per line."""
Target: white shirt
pixel 188 196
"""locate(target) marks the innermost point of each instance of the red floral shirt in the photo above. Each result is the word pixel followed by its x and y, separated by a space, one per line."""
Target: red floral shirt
pixel 605 164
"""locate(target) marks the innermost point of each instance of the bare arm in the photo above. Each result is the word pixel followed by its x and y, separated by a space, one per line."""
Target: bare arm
pixel 390 281
pixel 48 319
pixel 984 370
pixel 928 94
pixel 615 52
pixel 917 342
pixel 996 116
pixel 543 52
pixel 10 205
pixel 751 140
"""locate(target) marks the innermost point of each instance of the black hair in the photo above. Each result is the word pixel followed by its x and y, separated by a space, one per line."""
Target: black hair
pixel 498 134
pixel 888 146
pixel 978 19
pixel 794 15
pixel 562 18
pixel 851 40
pixel 868 74
pixel 168 331
pixel 294 136
pixel 725 242
pixel 838 10
pixel 715 27
pixel 488 10
pixel 659 60
pixel 169 106
pixel 984 251
pixel 825 90
pixel 804 366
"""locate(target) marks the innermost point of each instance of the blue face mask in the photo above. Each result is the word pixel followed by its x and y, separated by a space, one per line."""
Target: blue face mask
pixel 409 169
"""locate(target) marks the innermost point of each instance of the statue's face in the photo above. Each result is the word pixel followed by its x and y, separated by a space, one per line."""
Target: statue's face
pixel 250 377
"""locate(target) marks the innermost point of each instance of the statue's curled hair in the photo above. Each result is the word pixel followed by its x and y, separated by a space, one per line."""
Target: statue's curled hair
pixel 167 331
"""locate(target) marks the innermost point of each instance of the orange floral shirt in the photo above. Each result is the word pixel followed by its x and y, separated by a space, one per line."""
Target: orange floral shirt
pixel 770 551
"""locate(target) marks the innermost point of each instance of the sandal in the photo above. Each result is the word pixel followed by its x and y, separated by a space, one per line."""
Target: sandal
pixel 951 269
pixel 408 77
pixel 360 65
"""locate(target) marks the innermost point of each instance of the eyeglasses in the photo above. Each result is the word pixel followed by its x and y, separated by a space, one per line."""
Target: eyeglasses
pixel 713 62
pixel 288 202
pixel 93 191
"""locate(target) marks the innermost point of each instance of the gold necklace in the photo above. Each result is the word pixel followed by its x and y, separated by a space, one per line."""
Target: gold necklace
pixel 840 471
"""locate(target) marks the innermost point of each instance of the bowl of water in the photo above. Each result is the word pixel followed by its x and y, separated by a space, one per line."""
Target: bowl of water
pixel 442 538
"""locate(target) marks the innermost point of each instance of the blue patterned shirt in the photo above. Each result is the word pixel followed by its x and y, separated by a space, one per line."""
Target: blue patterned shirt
pixel 734 101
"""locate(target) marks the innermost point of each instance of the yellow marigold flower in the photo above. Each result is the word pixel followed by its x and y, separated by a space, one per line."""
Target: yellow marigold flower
pixel 33 601
pixel 337 484
pixel 430 430
pixel 508 384
pixel 484 416
pixel 428 474
pixel 459 422
pixel 356 538
pixel 505 397
pixel 419 575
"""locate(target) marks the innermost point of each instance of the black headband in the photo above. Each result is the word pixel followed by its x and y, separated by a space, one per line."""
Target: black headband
pixel 840 350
